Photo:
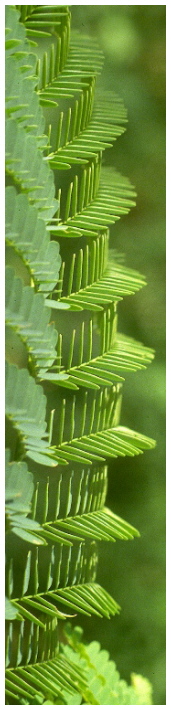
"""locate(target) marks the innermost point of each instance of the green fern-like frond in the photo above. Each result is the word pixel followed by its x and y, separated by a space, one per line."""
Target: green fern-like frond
pixel 21 99
pixel 43 680
pixel 72 494
pixel 126 355
pixel 83 145
pixel 87 599
pixel 29 642
pixel 65 566
pixel 86 673
pixel 117 282
pixel 61 75
pixel 58 263
pixel 39 19
pixel 90 207
pixel 118 441
pixel 130 354
pixel 100 525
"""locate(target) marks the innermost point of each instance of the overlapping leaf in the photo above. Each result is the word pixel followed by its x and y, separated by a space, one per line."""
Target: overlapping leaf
pixel 78 594
pixel 104 685
pixel 60 75
pixel 80 672
pixel 26 409
pixel 27 314
pixel 35 177
pixel 81 268
pixel 19 489
pixel 27 234
pixel 44 570
pixel 21 98
pixel 16 40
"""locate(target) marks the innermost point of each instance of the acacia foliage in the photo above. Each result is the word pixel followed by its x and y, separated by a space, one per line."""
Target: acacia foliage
pixel 65 359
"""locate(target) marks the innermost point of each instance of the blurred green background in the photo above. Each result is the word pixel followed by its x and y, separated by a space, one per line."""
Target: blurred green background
pixel 133 40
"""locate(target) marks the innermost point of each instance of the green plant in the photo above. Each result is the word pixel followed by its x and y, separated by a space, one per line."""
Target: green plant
pixel 65 359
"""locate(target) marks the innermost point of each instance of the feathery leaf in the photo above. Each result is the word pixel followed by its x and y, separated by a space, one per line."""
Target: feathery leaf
pixel 53 677
pixel 104 685
pixel 126 355
pixel 89 598
pixel 117 282
pixel 117 441
pixel 100 525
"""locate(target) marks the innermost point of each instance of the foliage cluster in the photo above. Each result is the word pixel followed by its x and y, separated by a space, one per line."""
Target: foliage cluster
pixel 65 359
pixel 133 41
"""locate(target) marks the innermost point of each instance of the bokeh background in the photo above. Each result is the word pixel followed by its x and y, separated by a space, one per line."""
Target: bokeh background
pixel 133 40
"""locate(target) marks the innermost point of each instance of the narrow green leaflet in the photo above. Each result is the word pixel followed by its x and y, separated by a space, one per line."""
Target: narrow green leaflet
pixel 89 598
pixel 117 282
pixel 100 525
pixel 11 612
pixel 82 148
pixel 126 355
pixel 71 497
pixel 130 354
pixel 91 207
pixel 117 441
pixel 43 680
pixel 60 80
